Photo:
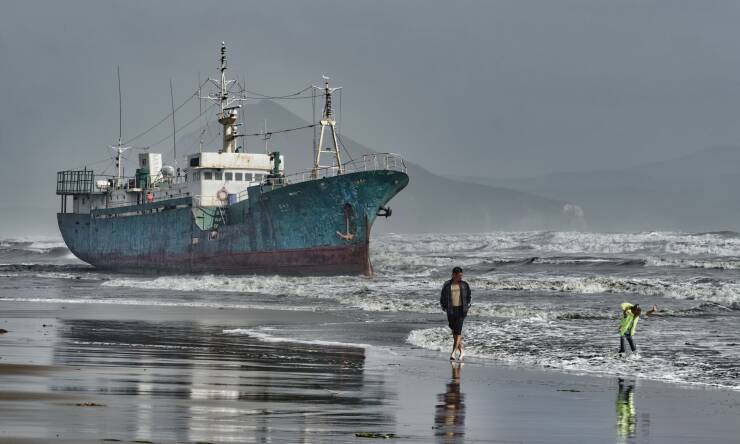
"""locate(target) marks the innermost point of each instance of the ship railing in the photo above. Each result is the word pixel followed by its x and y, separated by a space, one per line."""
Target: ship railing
pixel 133 209
pixel 197 201
pixel 75 182
pixel 368 162
pixel 86 182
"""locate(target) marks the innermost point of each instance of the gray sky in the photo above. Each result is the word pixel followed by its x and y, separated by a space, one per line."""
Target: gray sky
pixel 462 88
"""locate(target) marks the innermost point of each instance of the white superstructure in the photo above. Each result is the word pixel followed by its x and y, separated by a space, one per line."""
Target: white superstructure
pixel 209 173
pixel 211 178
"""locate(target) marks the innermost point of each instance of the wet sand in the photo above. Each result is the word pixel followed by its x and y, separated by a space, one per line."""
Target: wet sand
pixel 106 373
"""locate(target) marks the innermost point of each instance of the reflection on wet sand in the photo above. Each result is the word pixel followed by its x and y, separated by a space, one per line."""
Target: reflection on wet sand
pixel 186 381
pixel 627 414
pixel 449 417
pixel 626 421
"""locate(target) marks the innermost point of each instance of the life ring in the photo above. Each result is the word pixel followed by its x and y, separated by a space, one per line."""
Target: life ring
pixel 222 194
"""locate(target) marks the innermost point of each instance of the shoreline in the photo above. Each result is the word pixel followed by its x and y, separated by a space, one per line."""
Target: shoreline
pixel 168 374
pixel 233 315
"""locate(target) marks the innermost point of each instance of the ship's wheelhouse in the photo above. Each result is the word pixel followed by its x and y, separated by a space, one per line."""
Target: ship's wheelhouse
pixel 210 173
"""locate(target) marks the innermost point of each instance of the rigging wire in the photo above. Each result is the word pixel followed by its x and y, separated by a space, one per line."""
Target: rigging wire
pixel 263 133
pixel 85 165
pixel 252 99
pixel 165 118
pixel 313 120
pixel 341 142
pixel 110 165
pixel 339 128
pixel 244 93
pixel 208 108
pixel 295 95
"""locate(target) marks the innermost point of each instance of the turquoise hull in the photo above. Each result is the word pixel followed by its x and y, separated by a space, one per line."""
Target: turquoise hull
pixel 319 226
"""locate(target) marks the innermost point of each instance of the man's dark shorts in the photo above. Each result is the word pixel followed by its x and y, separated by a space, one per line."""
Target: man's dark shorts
pixel 455 318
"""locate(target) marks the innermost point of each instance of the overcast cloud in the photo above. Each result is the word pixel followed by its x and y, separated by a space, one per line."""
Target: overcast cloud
pixel 487 88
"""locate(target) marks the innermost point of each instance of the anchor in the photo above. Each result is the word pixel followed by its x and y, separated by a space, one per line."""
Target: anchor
pixel 348 214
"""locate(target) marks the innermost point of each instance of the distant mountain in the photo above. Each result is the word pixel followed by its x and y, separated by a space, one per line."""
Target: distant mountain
pixel 696 192
pixel 431 203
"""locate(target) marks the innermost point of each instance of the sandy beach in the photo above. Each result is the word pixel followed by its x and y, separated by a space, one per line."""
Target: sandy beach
pixel 265 221
pixel 107 373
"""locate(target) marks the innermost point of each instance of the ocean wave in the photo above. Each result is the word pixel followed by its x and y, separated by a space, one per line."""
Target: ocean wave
pixel 29 250
pixel 655 243
pixel 274 285
pixel 430 255
pixel 587 260
pixel 719 263
pixel 365 294
pixel 588 351
pixel 666 242
pixel 36 268
pixel 703 289
pixel 725 233
pixel 167 303
pixel 420 295
pixel 75 271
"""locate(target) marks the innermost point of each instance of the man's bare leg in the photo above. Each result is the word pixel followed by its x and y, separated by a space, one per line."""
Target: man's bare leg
pixel 460 346
pixel 455 340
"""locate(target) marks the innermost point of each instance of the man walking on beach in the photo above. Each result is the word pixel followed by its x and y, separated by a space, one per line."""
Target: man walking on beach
pixel 455 301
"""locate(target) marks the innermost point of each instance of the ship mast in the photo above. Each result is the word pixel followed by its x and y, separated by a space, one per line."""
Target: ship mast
pixel 119 148
pixel 327 120
pixel 229 105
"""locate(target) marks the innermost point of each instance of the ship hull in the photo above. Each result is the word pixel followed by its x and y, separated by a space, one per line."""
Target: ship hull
pixel 316 227
pixel 309 261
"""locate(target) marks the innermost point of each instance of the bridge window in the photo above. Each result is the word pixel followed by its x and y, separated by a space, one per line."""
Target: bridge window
pixel 217 175
pixel 229 176
pixel 238 176
pixel 207 175
pixel 258 177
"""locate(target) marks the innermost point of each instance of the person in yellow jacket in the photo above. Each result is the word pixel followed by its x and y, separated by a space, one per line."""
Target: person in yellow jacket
pixel 628 325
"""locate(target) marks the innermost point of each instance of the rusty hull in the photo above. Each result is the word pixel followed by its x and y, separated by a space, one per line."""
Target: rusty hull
pixel 316 227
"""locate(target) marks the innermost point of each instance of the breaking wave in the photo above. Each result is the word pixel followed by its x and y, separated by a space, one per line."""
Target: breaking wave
pixel 726 244
pixel 17 251
pixel 670 358
pixel 699 288
pixel 164 303
pixel 720 263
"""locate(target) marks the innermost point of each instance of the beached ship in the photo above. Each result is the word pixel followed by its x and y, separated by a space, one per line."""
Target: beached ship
pixel 232 212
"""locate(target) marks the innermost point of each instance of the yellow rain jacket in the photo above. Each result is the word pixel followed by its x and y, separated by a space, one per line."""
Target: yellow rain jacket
pixel 629 321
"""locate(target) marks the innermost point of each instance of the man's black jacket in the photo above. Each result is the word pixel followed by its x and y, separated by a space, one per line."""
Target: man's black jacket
pixel 445 299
